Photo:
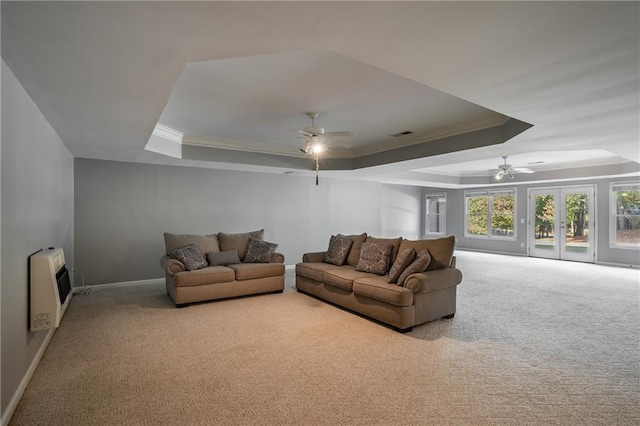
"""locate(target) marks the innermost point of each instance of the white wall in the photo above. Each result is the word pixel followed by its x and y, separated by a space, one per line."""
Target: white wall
pixel 123 209
pixel 37 212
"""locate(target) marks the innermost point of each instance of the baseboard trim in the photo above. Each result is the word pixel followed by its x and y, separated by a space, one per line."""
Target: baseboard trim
pixel 13 403
pixel 89 288
pixel 506 253
pixel 618 265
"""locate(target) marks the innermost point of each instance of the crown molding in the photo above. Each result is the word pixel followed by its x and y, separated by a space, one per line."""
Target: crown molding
pixel 167 133
pixel 480 123
pixel 237 145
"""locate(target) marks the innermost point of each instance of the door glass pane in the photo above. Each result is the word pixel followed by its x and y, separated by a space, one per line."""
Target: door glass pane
pixel 577 222
pixel 545 222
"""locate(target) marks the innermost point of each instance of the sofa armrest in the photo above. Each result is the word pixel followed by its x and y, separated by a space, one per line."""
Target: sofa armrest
pixel 426 282
pixel 171 265
pixel 277 258
pixel 313 257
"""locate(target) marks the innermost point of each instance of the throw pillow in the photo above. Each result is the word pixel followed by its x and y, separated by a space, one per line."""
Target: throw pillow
pixel 375 258
pixel 440 249
pixel 190 256
pixel 420 264
pixel 354 252
pixel 259 251
pixel 338 250
pixel 227 257
pixel 395 242
pixel 403 260
pixel 238 241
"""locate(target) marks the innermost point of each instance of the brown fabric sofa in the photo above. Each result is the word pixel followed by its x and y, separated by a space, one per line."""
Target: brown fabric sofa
pixel 213 282
pixel 423 296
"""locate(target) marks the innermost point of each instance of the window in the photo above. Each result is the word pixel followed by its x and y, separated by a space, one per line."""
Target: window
pixel 490 214
pixel 436 206
pixel 625 215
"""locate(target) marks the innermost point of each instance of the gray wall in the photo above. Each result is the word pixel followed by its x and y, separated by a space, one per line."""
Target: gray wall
pixel 123 209
pixel 604 253
pixel 37 212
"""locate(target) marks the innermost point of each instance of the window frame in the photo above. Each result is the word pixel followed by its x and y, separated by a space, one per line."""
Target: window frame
pixel 614 187
pixel 443 215
pixel 489 194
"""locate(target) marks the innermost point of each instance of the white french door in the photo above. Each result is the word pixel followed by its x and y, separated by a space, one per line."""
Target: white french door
pixel 561 223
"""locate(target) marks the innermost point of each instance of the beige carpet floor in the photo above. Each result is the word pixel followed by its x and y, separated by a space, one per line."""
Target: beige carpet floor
pixel 534 341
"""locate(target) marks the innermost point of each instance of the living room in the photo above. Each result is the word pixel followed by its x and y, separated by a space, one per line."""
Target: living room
pixel 107 201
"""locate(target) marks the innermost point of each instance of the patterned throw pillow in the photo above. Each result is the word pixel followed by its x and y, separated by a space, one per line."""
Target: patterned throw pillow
pixel 228 257
pixel 403 260
pixel 420 264
pixel 375 258
pixel 190 256
pixel 338 250
pixel 259 251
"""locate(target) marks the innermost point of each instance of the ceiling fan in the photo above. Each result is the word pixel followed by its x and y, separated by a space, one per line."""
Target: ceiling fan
pixel 509 171
pixel 317 140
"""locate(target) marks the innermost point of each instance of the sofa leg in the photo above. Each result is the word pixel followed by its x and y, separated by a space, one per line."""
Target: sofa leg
pixel 181 305
pixel 449 316
pixel 278 291
pixel 403 330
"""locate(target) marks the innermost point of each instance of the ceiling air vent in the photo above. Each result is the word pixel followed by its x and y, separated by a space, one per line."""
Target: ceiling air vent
pixel 405 133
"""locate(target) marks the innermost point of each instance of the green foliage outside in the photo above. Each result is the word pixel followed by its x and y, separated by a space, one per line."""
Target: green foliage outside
pixel 477 212
pixel 628 216
pixel 576 219
pixel 502 215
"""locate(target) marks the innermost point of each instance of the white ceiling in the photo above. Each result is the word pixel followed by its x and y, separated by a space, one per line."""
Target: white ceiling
pixel 241 75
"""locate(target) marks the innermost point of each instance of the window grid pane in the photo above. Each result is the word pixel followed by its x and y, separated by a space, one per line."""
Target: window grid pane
pixel 490 214
pixel 435 213
pixel 627 215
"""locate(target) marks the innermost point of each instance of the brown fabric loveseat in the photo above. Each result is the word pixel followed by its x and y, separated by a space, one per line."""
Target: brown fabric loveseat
pixel 393 294
pixel 232 268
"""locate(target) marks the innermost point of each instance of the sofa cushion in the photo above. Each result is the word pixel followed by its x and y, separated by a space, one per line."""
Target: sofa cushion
pixel 250 271
pixel 223 257
pixel 205 243
pixel 313 270
pixel 419 264
pixel 377 288
pixel 238 241
pixel 208 275
pixel 259 251
pixel 395 242
pixel 404 259
pixel 354 252
pixel 338 250
pixel 440 249
pixel 375 258
pixel 343 277
pixel 190 256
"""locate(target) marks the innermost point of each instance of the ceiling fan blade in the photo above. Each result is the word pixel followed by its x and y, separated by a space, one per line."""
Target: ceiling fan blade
pixel 340 134
pixel 305 133
pixel 522 170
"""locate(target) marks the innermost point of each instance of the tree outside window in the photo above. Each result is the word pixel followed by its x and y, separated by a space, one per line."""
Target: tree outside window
pixel 626 215
pixel 490 214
